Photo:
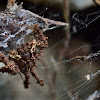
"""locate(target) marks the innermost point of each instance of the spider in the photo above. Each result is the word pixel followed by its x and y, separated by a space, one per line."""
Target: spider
pixel 18 56
pixel 23 59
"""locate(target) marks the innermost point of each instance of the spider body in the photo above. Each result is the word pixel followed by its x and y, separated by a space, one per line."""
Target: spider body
pixel 23 59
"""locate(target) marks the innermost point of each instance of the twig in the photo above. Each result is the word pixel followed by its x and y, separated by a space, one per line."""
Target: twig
pixel 65 46
pixel 97 2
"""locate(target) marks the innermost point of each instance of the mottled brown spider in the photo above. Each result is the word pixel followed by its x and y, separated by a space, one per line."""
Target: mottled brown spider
pixel 23 59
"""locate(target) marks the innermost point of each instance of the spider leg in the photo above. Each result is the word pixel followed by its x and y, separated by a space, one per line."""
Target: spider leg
pixel 26 81
pixel 34 73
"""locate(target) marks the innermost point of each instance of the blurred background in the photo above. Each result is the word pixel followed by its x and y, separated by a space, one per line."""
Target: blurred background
pixel 64 79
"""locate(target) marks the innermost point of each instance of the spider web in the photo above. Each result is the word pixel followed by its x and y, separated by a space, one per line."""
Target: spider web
pixel 76 79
